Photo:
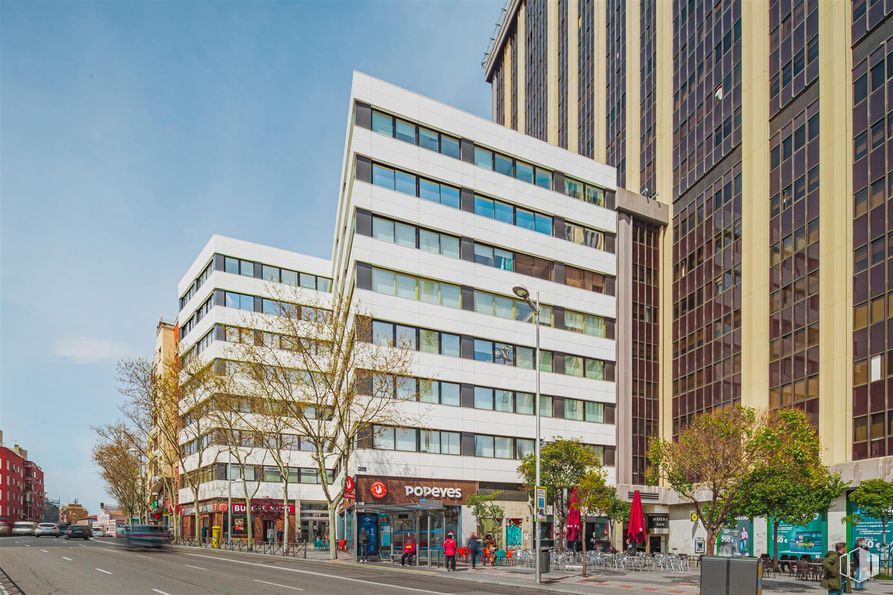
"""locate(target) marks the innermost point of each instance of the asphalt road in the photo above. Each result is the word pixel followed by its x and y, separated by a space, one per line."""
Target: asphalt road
pixel 45 565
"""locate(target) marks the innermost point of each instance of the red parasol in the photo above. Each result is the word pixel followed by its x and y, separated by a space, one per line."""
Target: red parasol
pixel 636 531
pixel 573 518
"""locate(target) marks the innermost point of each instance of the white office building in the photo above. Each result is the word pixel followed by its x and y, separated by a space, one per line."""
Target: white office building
pixel 441 215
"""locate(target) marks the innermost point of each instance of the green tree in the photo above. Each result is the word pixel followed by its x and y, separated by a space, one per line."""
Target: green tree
pixel 488 514
pixel 707 463
pixel 595 496
pixel 874 497
pixel 791 484
pixel 563 464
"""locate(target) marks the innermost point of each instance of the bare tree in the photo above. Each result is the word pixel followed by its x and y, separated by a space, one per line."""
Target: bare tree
pixel 316 371
pixel 120 466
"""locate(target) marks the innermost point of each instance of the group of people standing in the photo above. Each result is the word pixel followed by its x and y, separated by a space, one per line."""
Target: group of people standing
pixel 837 573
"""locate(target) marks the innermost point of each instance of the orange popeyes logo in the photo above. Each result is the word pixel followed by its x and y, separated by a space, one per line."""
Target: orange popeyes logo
pixel 378 489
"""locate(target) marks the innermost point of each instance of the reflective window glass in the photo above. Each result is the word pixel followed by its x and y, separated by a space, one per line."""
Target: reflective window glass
pixel 503 164
pixel 382 123
pixel 449 345
pixel 483 206
pixel 449 196
pixel 383 176
pixel 405 439
pixel 483 397
pixel 524 403
pixel 483 350
pixel 383 282
pixel 429 190
pixel 483 446
pixel 404 235
pixel 405 183
pixel 449 146
pixel 524 171
pixel 483 158
pixel 504 401
pixel 449 394
pixel 405 131
pixel 428 139
pixel 503 448
pixel 406 287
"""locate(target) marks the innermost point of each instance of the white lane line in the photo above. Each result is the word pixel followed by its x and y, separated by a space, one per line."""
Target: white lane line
pixel 196 567
pixel 105 571
pixel 66 558
pixel 142 556
pixel 160 592
pixel 44 551
pixel 257 580
pixel 322 574
pixel 26 545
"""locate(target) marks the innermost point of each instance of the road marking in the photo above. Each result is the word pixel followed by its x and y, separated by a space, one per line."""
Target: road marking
pixel 142 556
pixel 196 567
pixel 66 558
pixel 105 571
pixel 44 551
pixel 257 580
pixel 27 545
pixel 323 574
pixel 160 592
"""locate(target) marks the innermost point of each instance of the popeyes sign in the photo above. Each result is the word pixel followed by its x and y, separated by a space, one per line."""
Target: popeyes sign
pixel 402 490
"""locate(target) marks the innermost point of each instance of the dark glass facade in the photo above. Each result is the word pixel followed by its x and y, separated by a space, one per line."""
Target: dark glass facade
pixel 536 108
pixel 585 80
pixel 794 206
pixel 872 229
pixel 647 59
pixel 706 366
pixel 562 73
pixel 794 263
pixel 499 93
pixel 514 86
pixel 706 88
pixel 615 130
pixel 645 337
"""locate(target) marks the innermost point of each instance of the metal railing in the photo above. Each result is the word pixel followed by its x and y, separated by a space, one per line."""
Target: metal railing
pixel 291 550
pixel 606 562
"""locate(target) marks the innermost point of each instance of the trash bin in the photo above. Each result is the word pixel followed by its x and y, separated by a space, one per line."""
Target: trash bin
pixel 215 536
pixel 545 560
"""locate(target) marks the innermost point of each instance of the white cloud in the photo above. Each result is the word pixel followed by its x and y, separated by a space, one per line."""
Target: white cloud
pixel 84 350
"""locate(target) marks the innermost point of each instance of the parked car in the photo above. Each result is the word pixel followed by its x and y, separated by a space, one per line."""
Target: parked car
pixel 79 531
pixel 24 528
pixel 147 536
pixel 47 530
pixel 5 528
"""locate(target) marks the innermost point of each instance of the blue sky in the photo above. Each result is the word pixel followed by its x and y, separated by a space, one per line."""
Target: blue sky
pixel 132 131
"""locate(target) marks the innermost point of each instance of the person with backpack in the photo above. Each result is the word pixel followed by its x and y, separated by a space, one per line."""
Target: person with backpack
pixel 831 565
pixel 474 549
pixel 449 552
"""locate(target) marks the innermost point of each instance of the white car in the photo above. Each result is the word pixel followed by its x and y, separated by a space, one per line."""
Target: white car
pixel 24 528
pixel 47 530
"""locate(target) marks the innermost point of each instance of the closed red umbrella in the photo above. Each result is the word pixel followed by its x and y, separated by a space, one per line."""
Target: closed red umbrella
pixel 572 531
pixel 636 531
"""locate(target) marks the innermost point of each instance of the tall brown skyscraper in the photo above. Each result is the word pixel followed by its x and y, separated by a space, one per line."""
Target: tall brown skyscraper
pixel 763 126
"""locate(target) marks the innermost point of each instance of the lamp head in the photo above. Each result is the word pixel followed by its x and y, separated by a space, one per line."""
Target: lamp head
pixel 521 291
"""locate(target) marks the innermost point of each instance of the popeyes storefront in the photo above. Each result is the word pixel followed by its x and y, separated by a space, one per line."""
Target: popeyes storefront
pixel 393 510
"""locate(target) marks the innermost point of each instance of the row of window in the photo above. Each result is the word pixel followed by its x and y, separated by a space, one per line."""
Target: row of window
pixel 248 268
pixel 410 236
pixel 273 274
pixel 199 313
pixel 432 140
pixel 482 350
pixel 241 301
pixel 451 443
pixel 452 394
pixel 450 196
pixel 260 473
pixel 196 284
pixel 446 294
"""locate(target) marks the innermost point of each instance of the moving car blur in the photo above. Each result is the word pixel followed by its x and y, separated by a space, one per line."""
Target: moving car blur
pixel 146 536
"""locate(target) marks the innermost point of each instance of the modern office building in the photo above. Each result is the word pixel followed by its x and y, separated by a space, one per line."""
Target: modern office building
pixel 732 113
pixel 226 295
pixel 442 215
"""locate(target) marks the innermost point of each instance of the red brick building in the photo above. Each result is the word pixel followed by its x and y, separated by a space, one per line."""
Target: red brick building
pixel 34 492
pixel 12 485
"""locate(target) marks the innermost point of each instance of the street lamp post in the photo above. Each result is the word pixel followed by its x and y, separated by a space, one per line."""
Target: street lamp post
pixel 523 293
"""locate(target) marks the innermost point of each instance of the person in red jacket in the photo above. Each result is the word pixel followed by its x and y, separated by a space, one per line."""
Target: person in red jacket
pixel 449 552
pixel 409 551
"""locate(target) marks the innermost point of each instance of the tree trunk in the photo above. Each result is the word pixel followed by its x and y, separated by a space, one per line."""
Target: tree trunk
pixel 249 521
pixel 285 515
pixel 711 542
pixel 197 530
pixel 885 559
pixel 583 529
pixel 775 540
pixel 333 544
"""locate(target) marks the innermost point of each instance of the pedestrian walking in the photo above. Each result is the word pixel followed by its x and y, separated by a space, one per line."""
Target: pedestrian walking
pixel 449 552
pixel 409 551
pixel 474 549
pixel 831 565
pixel 860 565
pixel 363 545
